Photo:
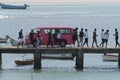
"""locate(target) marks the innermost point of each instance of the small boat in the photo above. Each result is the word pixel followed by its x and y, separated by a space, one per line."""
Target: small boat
pixel 58 56
pixel 12 41
pixel 109 57
pixel 24 62
pixel 10 6
pixel 3 40
pixel 45 56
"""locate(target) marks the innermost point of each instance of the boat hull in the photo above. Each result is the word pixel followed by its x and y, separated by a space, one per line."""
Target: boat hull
pixel 110 57
pixel 3 41
pixel 7 6
pixel 24 62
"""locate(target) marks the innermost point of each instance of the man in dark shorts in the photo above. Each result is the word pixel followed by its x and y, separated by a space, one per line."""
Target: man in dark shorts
pixel 50 38
pixel 31 37
pixel 94 38
pixel 116 38
pixel 81 34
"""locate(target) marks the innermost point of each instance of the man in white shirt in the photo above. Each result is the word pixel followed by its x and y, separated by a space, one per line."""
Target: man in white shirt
pixel 58 35
pixel 86 38
pixel 106 34
pixel 102 38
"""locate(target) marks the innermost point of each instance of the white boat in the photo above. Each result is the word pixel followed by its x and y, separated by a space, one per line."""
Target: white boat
pixel 58 56
pixel 13 6
pixel 12 41
pixel 110 57
pixel 3 40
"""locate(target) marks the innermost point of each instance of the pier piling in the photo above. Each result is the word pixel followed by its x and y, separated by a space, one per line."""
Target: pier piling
pixel 0 59
pixel 119 60
pixel 37 59
pixel 79 59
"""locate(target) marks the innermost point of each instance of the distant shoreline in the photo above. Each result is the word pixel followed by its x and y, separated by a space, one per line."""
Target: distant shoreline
pixel 59 1
pixel 34 2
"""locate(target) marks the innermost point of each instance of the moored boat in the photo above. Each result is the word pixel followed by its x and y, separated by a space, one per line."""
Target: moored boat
pixel 45 56
pixel 110 57
pixel 3 40
pixel 10 6
pixel 12 41
pixel 58 56
pixel 24 62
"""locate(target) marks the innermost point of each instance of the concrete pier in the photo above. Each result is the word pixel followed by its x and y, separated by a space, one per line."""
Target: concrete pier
pixel 79 52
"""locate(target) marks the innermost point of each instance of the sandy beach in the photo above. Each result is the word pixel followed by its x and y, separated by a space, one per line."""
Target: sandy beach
pixel 57 1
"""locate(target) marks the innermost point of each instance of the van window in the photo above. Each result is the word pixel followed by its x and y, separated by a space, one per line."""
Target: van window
pixel 46 31
pixel 36 30
pixel 64 31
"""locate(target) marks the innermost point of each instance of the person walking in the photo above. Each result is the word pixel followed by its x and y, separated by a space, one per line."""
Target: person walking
pixel 102 38
pixel 38 39
pixel 94 38
pixel 81 34
pixel 55 36
pixel 59 36
pixel 50 38
pixel 86 38
pixel 20 38
pixel 116 38
pixel 31 37
pixel 75 36
pixel 106 34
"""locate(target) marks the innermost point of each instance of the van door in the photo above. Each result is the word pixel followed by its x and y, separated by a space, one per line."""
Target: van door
pixel 45 36
pixel 66 34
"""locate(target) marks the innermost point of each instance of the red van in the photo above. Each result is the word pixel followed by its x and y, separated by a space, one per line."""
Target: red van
pixel 66 35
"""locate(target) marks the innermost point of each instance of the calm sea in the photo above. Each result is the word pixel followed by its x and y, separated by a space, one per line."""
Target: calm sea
pixel 87 15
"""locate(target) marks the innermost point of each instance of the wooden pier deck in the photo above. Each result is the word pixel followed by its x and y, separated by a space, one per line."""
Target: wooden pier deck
pixel 79 52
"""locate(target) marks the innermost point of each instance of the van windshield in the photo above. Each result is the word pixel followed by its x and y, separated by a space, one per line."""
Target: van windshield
pixel 62 31
pixel 36 30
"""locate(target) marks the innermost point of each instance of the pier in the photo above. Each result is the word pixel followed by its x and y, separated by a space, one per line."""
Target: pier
pixel 79 52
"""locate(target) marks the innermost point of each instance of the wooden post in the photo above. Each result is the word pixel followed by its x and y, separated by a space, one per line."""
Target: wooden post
pixel 0 59
pixel 79 59
pixel 37 59
pixel 119 60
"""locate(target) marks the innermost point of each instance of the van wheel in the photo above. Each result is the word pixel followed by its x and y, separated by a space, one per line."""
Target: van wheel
pixel 63 43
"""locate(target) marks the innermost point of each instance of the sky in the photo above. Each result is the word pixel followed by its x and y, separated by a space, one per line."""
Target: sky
pixel 21 1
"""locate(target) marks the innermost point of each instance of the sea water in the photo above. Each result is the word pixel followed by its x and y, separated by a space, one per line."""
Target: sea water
pixel 81 15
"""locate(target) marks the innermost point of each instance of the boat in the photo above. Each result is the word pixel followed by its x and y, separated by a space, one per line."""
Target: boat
pixel 12 41
pixel 24 61
pixel 45 56
pixel 3 40
pixel 109 57
pixel 14 6
pixel 58 56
